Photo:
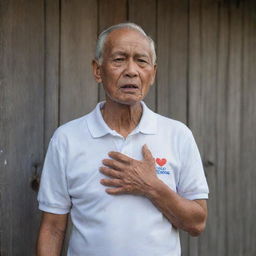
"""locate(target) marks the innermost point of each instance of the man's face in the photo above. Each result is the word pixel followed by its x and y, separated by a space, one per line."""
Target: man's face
pixel 127 71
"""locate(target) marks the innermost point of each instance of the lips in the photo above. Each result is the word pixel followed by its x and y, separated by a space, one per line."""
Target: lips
pixel 130 86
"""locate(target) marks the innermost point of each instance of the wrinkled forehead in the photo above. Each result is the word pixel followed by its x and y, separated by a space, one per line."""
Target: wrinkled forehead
pixel 126 38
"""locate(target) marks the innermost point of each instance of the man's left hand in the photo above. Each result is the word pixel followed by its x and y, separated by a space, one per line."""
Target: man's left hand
pixel 127 175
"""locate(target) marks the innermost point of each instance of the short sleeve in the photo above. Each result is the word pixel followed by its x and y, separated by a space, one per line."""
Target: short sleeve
pixel 192 183
pixel 53 193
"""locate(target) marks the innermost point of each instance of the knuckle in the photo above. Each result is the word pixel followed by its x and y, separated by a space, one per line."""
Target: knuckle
pixel 128 189
pixel 119 175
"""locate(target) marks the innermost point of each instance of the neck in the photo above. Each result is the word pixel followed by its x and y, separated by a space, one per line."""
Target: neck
pixel 122 118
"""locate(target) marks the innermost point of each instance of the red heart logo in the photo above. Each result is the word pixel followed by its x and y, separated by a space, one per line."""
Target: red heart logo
pixel 161 161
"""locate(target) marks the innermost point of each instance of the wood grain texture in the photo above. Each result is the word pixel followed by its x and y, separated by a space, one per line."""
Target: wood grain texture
pixel 206 78
pixel 172 41
pixel 21 118
pixel 221 131
pixel 107 19
pixel 78 90
pixel 52 63
pixel 233 140
pixel 148 22
pixel 248 124
pixel 203 43
pixel 195 104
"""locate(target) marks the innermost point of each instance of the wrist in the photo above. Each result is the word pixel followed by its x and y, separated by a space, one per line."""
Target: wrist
pixel 154 190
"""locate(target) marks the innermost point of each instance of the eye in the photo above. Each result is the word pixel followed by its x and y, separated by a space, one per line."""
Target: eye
pixel 143 61
pixel 118 59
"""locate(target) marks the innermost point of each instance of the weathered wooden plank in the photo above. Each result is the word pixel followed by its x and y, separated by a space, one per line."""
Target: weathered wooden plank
pixel 172 38
pixel 248 124
pixel 221 131
pixel 202 98
pixel 195 109
pixel 52 54
pixel 148 22
pixel 234 225
pixel 78 91
pixel 21 118
pixel 172 49
pixel 106 19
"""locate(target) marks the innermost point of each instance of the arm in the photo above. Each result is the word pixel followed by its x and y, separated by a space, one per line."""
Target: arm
pixel 182 213
pixel 51 234
pixel 129 176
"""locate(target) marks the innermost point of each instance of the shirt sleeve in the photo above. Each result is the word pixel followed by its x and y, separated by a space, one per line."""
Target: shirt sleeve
pixel 53 193
pixel 192 182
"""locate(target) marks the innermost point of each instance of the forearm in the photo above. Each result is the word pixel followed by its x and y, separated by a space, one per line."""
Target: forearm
pixel 182 213
pixel 50 241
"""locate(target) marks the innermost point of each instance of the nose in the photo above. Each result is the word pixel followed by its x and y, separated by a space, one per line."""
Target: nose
pixel 131 69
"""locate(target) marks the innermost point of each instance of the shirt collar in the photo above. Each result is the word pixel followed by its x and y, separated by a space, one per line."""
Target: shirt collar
pixel 98 127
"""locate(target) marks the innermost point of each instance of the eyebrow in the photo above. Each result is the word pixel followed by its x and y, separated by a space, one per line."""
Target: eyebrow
pixel 118 53
pixel 140 55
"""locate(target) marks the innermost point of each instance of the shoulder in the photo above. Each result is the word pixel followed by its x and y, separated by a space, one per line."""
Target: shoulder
pixel 175 127
pixel 70 130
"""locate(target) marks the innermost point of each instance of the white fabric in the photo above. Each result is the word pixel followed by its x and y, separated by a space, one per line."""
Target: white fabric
pixel 123 225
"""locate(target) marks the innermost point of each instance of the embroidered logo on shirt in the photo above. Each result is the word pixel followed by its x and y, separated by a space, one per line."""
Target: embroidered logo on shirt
pixel 161 161
pixel 160 169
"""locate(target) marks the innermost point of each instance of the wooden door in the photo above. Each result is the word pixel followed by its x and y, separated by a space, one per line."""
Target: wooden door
pixel 206 79
pixel 21 122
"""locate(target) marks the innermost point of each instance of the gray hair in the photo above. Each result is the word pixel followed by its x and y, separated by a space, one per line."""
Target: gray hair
pixel 103 35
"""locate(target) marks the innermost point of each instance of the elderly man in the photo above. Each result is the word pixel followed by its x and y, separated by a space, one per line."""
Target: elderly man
pixel 129 177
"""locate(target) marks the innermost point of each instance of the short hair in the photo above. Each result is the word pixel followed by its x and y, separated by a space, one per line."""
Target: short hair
pixel 103 35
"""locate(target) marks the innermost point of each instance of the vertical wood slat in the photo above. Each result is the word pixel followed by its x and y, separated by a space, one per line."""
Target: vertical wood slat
pixel 78 91
pixel 111 12
pixel 52 52
pixel 21 118
pixel 209 37
pixel 172 38
pixel 202 98
pixel 248 121
pixel 195 108
pixel 221 131
pixel 234 225
pixel 172 50
pixel 5 212
pixel 148 22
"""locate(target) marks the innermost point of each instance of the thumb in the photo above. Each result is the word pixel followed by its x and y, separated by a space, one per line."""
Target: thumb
pixel 147 154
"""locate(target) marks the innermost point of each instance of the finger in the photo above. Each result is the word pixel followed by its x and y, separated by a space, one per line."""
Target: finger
pixel 114 164
pixel 111 182
pixel 120 157
pixel 111 172
pixel 115 191
pixel 147 154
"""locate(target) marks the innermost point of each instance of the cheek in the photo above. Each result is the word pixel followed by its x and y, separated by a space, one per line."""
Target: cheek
pixel 147 80
pixel 111 75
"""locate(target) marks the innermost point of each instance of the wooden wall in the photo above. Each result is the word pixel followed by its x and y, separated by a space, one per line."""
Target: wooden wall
pixel 206 78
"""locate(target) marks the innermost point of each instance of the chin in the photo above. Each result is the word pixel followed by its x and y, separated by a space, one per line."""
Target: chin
pixel 126 100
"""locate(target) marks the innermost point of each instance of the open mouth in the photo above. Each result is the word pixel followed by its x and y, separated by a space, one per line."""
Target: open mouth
pixel 129 86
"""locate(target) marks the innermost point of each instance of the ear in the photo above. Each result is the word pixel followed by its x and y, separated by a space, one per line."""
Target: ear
pixel 96 71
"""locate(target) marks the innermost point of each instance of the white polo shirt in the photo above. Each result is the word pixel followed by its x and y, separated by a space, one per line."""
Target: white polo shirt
pixel 118 225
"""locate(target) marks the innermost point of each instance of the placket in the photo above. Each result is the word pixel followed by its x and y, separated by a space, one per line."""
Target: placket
pixel 122 144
